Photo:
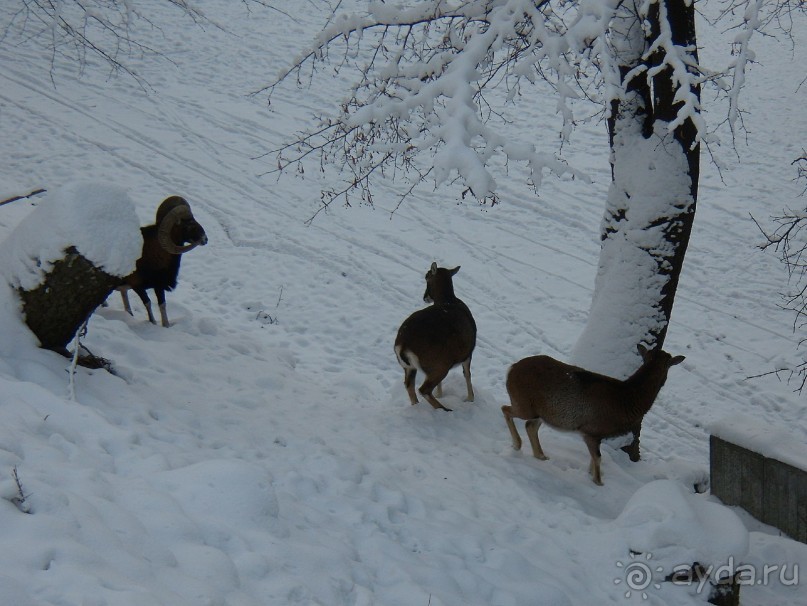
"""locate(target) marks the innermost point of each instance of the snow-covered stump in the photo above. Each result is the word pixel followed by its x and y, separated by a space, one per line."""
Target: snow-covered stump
pixel 65 258
pixel 67 296
pixel 681 541
pixel 764 471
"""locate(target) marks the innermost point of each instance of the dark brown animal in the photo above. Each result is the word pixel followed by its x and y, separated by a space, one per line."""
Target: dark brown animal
pixel 174 233
pixel 437 338
pixel 544 390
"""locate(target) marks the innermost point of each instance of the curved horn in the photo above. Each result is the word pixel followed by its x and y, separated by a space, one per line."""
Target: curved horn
pixel 182 211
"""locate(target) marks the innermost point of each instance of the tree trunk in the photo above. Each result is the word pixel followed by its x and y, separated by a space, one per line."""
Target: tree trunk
pixel 681 19
pixel 70 292
pixel 651 201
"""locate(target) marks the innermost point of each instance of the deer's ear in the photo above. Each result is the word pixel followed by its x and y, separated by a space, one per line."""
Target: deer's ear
pixel 642 350
pixel 677 360
pixel 454 271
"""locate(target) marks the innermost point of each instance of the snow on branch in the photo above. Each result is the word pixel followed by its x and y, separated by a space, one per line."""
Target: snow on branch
pixel 439 77
pixel 744 56
pixel 432 79
pixel 686 79
pixel 747 17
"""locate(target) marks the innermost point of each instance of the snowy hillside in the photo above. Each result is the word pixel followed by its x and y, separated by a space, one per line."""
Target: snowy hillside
pixel 263 451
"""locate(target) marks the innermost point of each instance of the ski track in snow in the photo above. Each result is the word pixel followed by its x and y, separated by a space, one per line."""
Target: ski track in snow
pixel 262 450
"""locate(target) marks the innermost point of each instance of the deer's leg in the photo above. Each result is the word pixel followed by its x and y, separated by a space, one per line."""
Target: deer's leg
pixel 507 411
pixel 466 372
pixel 432 380
pixel 596 457
pixel 409 383
pixel 633 448
pixel 532 426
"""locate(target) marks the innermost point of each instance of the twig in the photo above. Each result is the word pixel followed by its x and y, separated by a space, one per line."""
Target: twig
pixel 74 362
pixel 20 498
pixel 36 192
pixel 766 374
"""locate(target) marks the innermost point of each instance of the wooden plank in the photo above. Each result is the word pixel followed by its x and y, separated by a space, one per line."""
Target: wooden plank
pixel 772 491
pixel 737 475
pixel 785 498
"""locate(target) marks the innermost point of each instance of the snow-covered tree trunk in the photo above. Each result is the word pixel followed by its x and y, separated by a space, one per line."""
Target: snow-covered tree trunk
pixel 651 200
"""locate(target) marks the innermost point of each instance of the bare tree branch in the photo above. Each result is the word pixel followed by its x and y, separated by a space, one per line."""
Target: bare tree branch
pixel 80 30
pixel 440 77
pixel 789 240
pixel 801 166
pixel 422 85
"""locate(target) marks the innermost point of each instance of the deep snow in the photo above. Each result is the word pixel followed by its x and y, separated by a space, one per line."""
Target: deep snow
pixel 262 450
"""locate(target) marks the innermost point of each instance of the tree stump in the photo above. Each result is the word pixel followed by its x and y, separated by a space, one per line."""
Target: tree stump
pixel 69 293
pixel 65 257
pixel 725 593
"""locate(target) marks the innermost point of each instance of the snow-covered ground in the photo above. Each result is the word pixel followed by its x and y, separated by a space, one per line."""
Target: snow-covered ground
pixel 262 449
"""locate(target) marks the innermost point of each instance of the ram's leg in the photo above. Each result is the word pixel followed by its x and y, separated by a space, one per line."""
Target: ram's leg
pixel 466 372
pixel 124 295
pixel 161 303
pixel 141 292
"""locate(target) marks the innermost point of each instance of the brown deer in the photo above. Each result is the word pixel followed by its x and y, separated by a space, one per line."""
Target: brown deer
pixel 437 338
pixel 544 390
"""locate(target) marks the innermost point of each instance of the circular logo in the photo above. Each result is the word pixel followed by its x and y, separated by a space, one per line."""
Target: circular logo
pixel 638 576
